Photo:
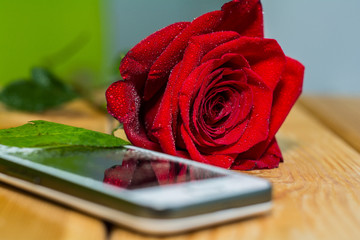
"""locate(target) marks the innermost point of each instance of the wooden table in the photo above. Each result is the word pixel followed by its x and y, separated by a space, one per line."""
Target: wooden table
pixel 316 189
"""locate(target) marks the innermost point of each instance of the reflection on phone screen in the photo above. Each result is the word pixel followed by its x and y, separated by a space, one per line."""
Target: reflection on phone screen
pixel 124 168
pixel 139 170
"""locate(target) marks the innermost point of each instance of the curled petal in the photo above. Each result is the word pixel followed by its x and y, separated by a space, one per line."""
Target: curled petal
pixel 161 68
pixel 265 57
pixel 244 17
pixel 269 159
pixel 162 125
pixel 123 102
pixel 224 161
pixel 286 93
pixel 136 65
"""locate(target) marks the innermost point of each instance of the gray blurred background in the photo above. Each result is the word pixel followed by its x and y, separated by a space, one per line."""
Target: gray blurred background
pixel 323 35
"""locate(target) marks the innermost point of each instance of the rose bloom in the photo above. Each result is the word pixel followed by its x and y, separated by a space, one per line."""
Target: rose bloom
pixel 213 90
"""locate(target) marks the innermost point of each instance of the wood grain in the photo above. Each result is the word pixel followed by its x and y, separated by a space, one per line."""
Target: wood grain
pixel 316 190
pixel 23 216
pixel 77 113
pixel 340 114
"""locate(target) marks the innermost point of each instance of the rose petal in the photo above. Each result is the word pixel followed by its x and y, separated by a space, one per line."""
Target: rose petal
pixel 265 57
pixel 162 125
pixel 161 68
pixel 244 17
pixel 149 110
pixel 135 66
pixel 285 95
pixel 123 102
pixel 224 161
pixel 190 146
pixel 189 88
pixel 117 100
pixel 269 159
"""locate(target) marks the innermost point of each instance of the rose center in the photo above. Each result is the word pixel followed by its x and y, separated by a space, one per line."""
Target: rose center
pixel 217 109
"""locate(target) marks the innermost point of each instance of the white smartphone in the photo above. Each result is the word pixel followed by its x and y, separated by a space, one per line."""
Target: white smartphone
pixel 143 190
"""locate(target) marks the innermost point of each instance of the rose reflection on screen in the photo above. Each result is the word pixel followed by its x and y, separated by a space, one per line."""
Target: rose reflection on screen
pixel 139 170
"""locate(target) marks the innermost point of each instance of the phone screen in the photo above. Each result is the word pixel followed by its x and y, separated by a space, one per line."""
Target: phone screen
pixel 135 181
pixel 124 168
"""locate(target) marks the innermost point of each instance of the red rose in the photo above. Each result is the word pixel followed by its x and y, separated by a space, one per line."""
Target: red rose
pixel 213 90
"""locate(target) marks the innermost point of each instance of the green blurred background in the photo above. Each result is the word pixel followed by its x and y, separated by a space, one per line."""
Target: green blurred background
pixel 64 36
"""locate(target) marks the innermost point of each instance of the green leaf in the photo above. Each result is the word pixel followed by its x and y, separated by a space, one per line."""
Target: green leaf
pixel 44 78
pixel 40 134
pixel 42 92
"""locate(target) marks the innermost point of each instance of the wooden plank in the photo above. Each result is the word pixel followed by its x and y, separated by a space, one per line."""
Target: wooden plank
pixel 340 114
pixel 23 216
pixel 316 190
pixel 77 113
